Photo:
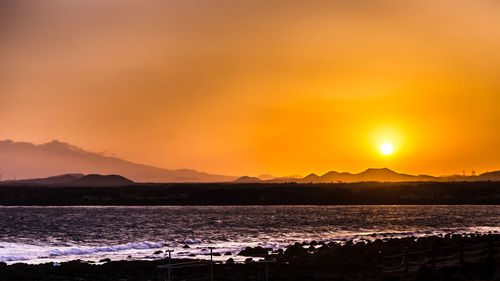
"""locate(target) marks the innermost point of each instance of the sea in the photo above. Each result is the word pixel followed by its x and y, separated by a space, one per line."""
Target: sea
pixel 56 234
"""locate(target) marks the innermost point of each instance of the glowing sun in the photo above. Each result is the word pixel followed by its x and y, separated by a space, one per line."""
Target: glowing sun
pixel 386 148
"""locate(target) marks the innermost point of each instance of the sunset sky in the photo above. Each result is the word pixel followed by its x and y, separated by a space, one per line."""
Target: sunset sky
pixel 277 87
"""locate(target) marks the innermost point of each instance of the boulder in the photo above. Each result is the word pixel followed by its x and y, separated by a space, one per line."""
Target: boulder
pixel 254 252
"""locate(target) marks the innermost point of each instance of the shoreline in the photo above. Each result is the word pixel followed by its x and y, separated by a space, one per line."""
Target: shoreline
pixel 197 249
pixel 247 194
pixel 478 255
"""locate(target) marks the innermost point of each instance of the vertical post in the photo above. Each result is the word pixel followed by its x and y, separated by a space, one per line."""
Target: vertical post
pixel 461 254
pixel 405 260
pixel 433 256
pixel 211 265
pixel 266 274
pixel 169 264
pixel 490 247
pixel 379 261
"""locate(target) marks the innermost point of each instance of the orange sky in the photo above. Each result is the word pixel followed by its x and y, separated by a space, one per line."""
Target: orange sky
pixel 249 87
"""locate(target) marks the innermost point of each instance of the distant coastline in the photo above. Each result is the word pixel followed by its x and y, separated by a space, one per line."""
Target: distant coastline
pixel 365 193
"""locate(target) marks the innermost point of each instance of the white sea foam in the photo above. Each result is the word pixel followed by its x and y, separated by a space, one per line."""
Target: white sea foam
pixel 192 241
pixel 16 252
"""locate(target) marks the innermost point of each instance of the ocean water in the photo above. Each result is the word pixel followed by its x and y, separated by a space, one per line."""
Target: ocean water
pixel 55 234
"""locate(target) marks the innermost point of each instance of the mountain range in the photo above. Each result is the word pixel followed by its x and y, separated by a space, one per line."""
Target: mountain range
pixel 372 175
pixel 73 180
pixel 37 164
pixel 24 160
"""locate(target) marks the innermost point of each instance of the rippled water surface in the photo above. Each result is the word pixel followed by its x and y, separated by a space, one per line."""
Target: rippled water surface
pixel 42 234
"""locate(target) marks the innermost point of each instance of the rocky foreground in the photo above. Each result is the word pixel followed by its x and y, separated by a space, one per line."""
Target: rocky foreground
pixel 452 257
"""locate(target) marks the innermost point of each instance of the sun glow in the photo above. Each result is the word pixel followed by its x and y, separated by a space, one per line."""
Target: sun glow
pixel 387 140
pixel 386 148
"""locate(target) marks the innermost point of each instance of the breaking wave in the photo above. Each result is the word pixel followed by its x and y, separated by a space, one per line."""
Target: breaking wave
pixel 22 252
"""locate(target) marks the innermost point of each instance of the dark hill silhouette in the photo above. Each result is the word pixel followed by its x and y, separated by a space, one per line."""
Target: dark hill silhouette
pixel 387 175
pixel 55 180
pixel 311 178
pixel 100 180
pixel 382 175
pixel 490 176
pixel 247 179
pixel 23 160
pixel 73 180
pixel 378 175
pixel 373 175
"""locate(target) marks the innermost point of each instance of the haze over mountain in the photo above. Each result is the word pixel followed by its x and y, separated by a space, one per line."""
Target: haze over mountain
pixel 24 160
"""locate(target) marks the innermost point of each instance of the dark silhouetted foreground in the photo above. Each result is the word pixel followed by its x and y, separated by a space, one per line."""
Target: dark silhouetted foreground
pixel 456 257
pixel 257 194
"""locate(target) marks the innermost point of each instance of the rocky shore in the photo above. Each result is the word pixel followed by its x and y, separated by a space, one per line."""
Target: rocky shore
pixel 451 257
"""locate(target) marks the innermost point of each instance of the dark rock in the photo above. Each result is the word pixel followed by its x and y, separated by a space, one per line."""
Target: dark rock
pixel 227 253
pixel 254 252
pixel 158 252
pixel 105 260
pixel 186 247
pixel 338 262
pixel 295 250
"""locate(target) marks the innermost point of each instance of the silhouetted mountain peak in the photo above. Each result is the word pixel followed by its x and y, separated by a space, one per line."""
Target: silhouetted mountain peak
pixel 311 177
pixel 61 146
pixel 24 160
pixel 494 173
pixel 379 171
pixel 247 179
pixel 331 173
pixel 490 176
pixel 101 180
